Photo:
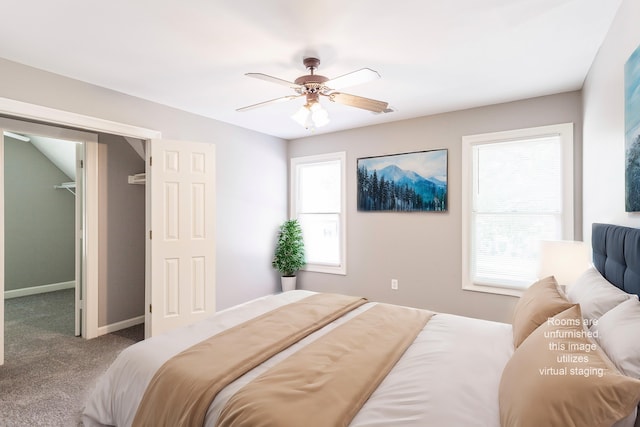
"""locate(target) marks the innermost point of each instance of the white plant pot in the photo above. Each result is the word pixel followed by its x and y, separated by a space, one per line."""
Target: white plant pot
pixel 288 283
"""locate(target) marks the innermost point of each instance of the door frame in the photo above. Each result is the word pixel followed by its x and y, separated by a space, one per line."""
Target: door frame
pixel 80 220
pixel 21 110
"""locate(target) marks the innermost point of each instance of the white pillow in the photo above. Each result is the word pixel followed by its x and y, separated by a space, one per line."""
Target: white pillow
pixel 595 294
pixel 616 331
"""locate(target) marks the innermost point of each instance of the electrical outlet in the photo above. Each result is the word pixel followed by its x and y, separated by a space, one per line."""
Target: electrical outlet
pixel 394 284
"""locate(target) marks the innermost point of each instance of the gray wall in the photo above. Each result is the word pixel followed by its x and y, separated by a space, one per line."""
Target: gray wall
pixel 121 236
pixel 251 175
pixel 423 250
pixel 39 219
pixel 603 95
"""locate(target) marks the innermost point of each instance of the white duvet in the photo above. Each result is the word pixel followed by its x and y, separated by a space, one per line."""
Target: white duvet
pixel 448 377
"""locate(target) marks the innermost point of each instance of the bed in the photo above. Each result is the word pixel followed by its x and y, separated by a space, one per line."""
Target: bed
pixel 456 371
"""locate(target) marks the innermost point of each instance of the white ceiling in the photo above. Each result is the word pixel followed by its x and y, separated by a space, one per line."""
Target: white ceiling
pixel 434 55
pixel 61 153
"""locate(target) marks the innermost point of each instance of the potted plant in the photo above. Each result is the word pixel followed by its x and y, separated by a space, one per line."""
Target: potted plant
pixel 289 254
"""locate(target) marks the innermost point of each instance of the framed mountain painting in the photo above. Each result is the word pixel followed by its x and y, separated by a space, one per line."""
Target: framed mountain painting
pixel 632 131
pixel 406 182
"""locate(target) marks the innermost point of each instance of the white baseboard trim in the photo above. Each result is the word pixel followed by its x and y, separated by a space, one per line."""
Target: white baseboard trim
pixel 33 290
pixel 102 330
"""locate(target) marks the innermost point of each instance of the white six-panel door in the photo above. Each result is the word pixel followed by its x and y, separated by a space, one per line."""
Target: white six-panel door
pixel 180 185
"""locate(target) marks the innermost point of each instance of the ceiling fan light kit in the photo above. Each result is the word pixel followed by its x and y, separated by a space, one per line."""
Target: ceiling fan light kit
pixel 312 115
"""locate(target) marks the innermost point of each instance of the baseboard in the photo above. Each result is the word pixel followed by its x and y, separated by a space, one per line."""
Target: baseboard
pixel 33 290
pixel 102 330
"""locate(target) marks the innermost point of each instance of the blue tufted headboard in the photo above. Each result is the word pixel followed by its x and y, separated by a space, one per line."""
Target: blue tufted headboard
pixel 616 255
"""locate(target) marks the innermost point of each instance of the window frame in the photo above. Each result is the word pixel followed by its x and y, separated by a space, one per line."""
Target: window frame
pixel 295 162
pixel 565 132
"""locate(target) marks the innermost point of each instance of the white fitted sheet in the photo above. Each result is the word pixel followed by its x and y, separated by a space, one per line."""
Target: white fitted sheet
pixel 448 377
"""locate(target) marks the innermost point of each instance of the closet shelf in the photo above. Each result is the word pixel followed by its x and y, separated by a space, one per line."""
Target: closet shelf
pixel 70 186
pixel 139 178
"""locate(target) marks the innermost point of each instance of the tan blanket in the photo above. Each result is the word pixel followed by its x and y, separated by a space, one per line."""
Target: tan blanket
pixel 182 389
pixel 327 382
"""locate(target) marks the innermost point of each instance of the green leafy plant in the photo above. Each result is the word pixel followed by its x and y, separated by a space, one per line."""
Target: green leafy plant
pixel 289 254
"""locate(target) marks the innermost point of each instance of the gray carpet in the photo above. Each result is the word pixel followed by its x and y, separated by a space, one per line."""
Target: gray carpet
pixel 48 372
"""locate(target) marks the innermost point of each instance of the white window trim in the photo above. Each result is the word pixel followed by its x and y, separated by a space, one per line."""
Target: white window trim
pixel 565 131
pixel 342 157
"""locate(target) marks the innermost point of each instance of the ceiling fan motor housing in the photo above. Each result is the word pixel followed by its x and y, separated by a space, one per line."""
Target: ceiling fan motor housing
pixel 313 83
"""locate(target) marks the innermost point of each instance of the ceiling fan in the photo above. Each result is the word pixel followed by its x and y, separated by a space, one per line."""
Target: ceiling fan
pixel 312 86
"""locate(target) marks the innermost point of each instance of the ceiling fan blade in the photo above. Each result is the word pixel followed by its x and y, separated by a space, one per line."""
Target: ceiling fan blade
pixel 358 102
pixel 272 101
pixel 363 75
pixel 272 79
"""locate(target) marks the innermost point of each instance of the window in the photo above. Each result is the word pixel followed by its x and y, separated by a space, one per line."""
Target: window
pixel 318 202
pixel 517 191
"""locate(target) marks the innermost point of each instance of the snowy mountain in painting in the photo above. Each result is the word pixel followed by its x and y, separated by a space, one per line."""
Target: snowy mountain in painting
pixel 394 188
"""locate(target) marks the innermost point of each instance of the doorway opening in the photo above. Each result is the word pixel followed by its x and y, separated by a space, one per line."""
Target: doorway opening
pixel 43 237
pixel 37 119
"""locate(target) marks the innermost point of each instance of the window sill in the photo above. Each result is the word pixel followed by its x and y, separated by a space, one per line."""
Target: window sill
pixel 497 290
pixel 317 268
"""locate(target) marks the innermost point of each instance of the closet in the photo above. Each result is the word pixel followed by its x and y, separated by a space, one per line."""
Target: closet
pixel 39 218
pixel 179 212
